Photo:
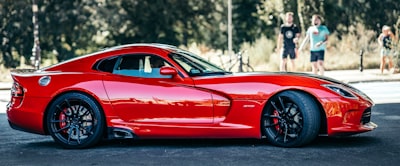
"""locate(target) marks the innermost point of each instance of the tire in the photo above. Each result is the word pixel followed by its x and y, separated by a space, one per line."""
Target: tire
pixel 75 121
pixel 291 119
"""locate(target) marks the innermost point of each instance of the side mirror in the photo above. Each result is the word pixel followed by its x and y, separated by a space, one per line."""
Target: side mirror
pixel 169 71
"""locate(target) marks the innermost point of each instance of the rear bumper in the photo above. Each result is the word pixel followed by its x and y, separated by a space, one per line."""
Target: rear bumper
pixel 25 129
pixel 27 115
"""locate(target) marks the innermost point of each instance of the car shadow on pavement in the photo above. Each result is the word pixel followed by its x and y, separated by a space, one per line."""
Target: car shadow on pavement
pixel 319 142
pixel 348 141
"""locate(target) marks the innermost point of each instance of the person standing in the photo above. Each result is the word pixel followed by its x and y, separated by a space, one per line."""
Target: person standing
pixel 290 34
pixel 385 40
pixel 318 36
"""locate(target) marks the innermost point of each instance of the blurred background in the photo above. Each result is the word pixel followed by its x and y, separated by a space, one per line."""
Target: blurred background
pixel 70 28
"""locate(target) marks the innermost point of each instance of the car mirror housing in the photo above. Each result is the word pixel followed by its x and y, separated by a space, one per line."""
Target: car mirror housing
pixel 167 70
pixel 170 71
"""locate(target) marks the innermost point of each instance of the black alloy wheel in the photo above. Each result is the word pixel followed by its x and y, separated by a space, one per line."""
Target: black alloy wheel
pixel 75 120
pixel 291 119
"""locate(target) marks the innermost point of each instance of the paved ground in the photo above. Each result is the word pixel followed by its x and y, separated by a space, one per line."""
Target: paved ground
pixel 370 75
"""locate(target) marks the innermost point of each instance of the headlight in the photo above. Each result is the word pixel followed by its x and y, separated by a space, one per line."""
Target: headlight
pixel 340 90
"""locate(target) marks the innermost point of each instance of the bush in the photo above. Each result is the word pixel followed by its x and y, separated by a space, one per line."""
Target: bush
pixel 343 52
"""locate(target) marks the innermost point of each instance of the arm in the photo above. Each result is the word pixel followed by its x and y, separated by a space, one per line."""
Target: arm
pixel 394 38
pixel 323 42
pixel 296 39
pixel 279 42
pixel 296 43
pixel 304 42
pixel 380 40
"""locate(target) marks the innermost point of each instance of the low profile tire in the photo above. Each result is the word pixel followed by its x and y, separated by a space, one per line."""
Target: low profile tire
pixel 290 119
pixel 75 121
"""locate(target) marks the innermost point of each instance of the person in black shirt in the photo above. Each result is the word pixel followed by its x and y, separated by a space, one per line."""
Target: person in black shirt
pixel 289 34
pixel 386 40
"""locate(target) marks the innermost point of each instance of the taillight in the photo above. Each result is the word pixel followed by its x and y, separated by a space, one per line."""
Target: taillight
pixel 17 95
pixel 17 90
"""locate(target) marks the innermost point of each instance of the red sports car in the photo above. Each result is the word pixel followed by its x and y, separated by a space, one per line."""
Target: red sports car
pixel 160 91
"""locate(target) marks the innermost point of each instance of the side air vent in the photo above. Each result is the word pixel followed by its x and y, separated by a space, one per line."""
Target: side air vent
pixel 366 117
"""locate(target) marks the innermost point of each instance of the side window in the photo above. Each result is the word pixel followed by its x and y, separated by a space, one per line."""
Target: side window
pixel 141 65
pixel 106 65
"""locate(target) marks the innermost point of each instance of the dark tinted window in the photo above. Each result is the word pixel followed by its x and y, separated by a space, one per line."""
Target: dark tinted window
pixel 106 65
pixel 140 65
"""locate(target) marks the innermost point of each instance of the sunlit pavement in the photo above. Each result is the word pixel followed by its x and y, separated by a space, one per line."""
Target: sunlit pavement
pixel 4 98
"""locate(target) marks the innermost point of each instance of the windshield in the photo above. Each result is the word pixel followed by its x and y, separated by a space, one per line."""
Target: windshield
pixel 195 65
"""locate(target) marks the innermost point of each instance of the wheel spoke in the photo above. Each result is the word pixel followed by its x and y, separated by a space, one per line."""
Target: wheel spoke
pixel 290 107
pixel 272 116
pixel 64 128
pixel 78 133
pixel 89 120
pixel 282 104
pixel 62 110
pixel 286 133
pixel 68 104
pixel 88 130
pixel 58 121
pixel 298 124
pixel 276 108
pixel 271 125
pixel 277 134
pixel 85 113
pixel 69 135
pixel 297 112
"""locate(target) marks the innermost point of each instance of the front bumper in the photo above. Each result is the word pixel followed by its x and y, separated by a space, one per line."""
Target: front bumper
pixel 348 116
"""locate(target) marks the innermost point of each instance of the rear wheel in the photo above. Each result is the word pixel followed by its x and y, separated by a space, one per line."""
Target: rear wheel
pixel 74 120
pixel 290 119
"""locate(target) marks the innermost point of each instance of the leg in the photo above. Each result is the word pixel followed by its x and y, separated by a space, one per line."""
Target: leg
pixel 313 60
pixel 293 65
pixel 321 57
pixel 293 55
pixel 283 64
pixel 383 63
pixel 314 67
pixel 321 67
pixel 390 62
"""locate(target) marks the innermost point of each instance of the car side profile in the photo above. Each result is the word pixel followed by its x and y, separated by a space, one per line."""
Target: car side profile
pixel 144 91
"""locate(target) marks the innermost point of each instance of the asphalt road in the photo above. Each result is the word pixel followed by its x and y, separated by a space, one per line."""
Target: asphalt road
pixel 379 147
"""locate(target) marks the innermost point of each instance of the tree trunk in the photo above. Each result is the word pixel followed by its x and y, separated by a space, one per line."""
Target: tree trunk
pixel 300 6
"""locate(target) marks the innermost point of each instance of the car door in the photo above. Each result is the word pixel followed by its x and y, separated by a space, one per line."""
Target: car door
pixel 140 94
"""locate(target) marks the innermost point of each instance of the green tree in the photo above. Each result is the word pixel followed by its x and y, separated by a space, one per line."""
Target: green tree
pixel 247 24
pixel 65 26
pixel 15 31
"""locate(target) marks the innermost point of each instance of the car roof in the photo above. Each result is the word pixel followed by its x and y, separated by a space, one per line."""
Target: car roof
pixel 166 47
pixel 156 45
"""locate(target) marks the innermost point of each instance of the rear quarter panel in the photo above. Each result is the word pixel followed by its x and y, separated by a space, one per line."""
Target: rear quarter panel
pixel 37 98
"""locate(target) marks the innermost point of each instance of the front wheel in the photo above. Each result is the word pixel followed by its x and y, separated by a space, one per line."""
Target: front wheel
pixel 290 119
pixel 75 120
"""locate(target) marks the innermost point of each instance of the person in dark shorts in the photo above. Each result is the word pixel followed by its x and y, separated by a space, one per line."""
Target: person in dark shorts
pixel 289 34
pixel 318 36
pixel 386 40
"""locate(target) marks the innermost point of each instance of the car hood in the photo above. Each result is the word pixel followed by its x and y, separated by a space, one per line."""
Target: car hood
pixel 285 78
pixel 262 84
